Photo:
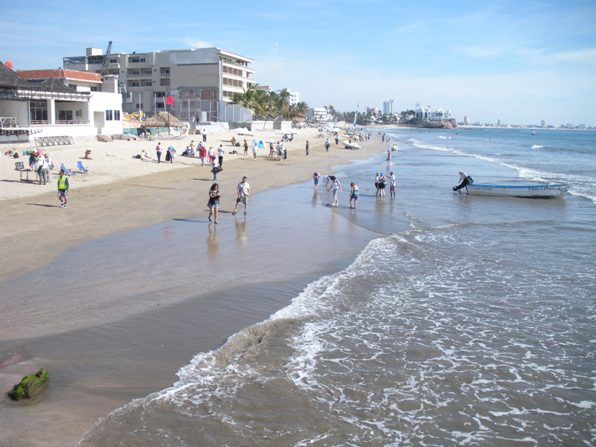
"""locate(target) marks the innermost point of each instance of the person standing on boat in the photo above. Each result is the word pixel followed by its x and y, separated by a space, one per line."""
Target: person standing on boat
pixel 464 180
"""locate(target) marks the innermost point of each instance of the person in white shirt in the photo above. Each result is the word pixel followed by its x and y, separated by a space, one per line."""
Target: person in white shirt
pixel 243 190
pixel 464 180
pixel 336 186
pixel 392 184
pixel 220 154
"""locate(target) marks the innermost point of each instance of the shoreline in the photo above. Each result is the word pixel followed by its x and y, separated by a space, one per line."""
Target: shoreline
pixel 105 210
pixel 33 235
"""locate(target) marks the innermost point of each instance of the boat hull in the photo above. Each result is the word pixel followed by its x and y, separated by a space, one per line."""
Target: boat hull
pixel 525 191
pixel 352 146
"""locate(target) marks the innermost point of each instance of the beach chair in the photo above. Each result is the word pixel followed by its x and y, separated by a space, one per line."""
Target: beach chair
pixel 81 167
pixel 66 170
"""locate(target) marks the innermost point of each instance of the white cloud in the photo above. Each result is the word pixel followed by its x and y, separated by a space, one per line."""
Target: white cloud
pixel 196 43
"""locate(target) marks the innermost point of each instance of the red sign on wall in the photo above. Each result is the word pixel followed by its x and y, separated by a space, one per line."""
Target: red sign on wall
pixel 170 101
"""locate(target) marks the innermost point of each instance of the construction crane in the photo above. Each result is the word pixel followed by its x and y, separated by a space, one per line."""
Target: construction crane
pixel 106 60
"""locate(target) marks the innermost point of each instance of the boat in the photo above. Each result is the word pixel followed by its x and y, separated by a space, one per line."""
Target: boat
pixel 349 145
pixel 528 190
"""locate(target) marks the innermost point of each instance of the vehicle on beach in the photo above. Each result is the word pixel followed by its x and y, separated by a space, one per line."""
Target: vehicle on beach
pixel 525 190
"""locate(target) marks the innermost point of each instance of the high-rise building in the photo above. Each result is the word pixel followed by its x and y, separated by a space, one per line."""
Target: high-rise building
pixel 466 121
pixel 388 107
pixel 202 81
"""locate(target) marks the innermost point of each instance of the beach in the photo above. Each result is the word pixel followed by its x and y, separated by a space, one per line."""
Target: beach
pixel 432 318
pixel 119 195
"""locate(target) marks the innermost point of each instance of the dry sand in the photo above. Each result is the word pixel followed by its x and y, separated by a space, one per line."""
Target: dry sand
pixel 121 193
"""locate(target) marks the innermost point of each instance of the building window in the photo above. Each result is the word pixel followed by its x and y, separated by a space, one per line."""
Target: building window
pixel 116 115
pixel 39 110
pixel 109 115
pixel 164 82
pixel 65 115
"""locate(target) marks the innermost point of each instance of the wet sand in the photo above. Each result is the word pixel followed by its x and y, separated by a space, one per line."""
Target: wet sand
pixel 102 354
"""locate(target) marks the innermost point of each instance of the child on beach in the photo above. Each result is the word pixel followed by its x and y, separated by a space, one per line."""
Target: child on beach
pixel 213 202
pixel 354 193
pixel 315 178
pixel 336 186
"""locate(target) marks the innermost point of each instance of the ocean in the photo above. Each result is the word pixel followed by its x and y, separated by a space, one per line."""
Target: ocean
pixel 463 321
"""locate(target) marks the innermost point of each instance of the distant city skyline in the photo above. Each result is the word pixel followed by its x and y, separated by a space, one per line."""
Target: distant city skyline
pixel 520 62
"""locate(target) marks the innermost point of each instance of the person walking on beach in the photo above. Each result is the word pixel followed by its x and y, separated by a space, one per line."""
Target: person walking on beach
pixel 354 193
pixel 327 145
pixel 220 154
pixel 306 147
pixel 158 152
pixel 211 155
pixel 392 184
pixel 202 154
pixel 63 187
pixel 315 178
pixel 204 136
pixel 215 169
pixel 243 191
pixel 245 148
pixel 336 186
pixel 284 151
pixel 254 149
pixel 389 156
pixel 44 169
pixel 213 202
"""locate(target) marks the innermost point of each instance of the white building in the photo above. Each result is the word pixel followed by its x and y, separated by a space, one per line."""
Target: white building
pixel 320 114
pixel 50 103
pixel 294 97
pixel 428 114
pixel 201 80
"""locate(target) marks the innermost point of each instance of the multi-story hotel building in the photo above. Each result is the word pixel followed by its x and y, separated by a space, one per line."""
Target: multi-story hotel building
pixel 202 81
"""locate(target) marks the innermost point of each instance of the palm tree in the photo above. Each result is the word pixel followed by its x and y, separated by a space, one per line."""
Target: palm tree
pixel 268 104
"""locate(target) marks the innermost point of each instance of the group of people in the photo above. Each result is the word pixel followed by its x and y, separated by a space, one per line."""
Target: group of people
pixel 333 183
pixel 170 153
pixel 381 183
pixel 242 193
pixel 42 165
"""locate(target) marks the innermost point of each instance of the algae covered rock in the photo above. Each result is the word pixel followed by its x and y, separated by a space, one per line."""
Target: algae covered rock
pixel 30 386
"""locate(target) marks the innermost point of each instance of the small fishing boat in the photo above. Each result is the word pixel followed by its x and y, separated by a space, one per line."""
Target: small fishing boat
pixel 349 145
pixel 527 190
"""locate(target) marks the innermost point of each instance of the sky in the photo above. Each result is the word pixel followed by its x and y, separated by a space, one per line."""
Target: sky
pixel 519 61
